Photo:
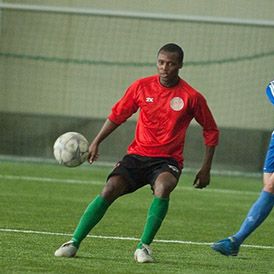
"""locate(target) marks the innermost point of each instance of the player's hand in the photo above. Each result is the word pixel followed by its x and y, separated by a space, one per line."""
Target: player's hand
pixel 202 179
pixel 93 153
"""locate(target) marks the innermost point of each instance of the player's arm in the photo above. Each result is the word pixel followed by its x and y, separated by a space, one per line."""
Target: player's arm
pixel 205 118
pixel 120 112
pixel 107 128
pixel 202 178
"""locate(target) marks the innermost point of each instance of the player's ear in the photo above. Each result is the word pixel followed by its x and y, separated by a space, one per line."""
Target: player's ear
pixel 182 64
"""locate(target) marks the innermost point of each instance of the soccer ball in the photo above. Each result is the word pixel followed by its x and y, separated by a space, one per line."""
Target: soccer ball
pixel 71 149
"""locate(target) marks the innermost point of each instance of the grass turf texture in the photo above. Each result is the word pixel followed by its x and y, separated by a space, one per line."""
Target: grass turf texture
pixel 42 203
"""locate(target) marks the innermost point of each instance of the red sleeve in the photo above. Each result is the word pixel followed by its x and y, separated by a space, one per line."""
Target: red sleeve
pixel 204 117
pixel 126 106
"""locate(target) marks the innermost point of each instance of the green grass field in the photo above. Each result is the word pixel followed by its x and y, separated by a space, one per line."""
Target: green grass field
pixel 42 203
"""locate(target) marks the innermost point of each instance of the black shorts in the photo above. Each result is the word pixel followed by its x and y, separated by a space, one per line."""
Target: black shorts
pixel 140 170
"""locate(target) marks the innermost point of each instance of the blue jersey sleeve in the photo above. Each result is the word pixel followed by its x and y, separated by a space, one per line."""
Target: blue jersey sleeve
pixel 270 91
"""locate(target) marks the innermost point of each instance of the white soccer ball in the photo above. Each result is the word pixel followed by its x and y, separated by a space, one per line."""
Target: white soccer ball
pixel 71 149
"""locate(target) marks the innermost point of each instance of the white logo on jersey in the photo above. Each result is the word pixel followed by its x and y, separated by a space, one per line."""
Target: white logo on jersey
pixel 271 86
pixel 149 99
pixel 176 103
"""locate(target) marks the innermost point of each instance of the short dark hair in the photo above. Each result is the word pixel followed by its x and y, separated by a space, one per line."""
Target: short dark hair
pixel 171 47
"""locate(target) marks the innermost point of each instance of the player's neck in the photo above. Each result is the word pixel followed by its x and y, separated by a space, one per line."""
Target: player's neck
pixel 169 83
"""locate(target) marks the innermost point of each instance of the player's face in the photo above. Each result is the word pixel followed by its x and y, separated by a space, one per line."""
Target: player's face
pixel 168 66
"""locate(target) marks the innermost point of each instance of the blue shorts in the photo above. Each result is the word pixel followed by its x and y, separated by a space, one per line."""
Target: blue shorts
pixel 269 159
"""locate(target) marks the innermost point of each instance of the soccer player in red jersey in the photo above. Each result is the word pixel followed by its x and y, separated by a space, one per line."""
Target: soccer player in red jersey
pixel 166 105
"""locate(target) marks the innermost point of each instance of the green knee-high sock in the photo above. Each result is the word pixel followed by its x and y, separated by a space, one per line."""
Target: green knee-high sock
pixel 92 215
pixel 156 215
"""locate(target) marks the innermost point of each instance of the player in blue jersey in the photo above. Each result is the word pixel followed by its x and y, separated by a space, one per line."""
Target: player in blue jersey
pixel 261 208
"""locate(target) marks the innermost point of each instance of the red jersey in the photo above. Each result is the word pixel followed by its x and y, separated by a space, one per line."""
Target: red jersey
pixel 165 114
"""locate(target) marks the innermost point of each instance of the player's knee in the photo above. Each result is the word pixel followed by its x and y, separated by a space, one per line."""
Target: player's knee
pixel 269 182
pixel 113 189
pixel 163 189
pixel 269 187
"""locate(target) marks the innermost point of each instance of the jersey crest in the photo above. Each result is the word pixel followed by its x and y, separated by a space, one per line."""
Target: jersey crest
pixel 176 103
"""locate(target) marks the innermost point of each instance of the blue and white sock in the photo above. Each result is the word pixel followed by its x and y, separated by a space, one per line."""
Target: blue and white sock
pixel 256 215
